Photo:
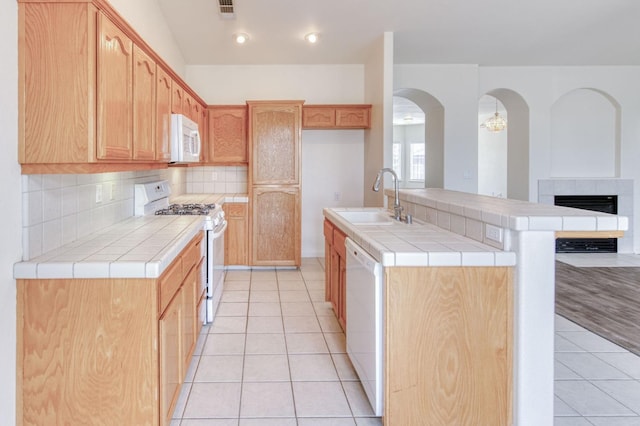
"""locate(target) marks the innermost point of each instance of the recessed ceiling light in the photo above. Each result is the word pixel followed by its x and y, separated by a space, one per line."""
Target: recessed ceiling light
pixel 241 38
pixel 312 38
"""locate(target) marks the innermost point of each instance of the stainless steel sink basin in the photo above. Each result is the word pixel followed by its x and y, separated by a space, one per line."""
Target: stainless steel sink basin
pixel 367 217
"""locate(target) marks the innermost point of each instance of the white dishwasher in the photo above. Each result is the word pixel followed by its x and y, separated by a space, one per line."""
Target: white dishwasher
pixel 364 321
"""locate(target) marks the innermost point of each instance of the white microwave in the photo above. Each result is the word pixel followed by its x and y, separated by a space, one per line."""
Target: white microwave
pixel 185 140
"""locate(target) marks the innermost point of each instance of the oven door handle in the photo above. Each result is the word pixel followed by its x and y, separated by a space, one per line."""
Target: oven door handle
pixel 220 230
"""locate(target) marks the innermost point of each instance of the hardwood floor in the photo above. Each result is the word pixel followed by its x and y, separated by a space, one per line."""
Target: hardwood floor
pixel 605 301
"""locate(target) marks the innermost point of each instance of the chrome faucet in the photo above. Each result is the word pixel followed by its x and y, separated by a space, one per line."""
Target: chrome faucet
pixel 397 208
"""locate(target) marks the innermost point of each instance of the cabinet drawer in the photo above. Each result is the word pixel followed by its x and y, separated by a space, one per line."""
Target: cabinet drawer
pixel 235 209
pixel 328 231
pixel 170 283
pixel 191 255
pixel 339 239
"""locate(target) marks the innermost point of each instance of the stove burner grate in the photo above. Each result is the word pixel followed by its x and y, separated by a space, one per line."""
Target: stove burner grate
pixel 186 209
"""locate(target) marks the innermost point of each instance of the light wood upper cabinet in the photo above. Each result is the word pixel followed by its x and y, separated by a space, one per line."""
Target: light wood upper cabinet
pixel 276 226
pixel 115 92
pixel 177 98
pixel 189 107
pixel 336 116
pixel 57 83
pixel 203 127
pixel 87 102
pixel 227 142
pixel 163 115
pixel 275 134
pixel 144 106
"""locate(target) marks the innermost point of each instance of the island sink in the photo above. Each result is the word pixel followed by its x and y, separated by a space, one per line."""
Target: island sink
pixel 367 217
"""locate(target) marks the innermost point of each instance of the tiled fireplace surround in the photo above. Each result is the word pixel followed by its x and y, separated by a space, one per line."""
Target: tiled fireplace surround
pixel 623 188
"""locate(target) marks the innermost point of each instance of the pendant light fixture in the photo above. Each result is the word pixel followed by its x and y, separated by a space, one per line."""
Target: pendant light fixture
pixel 496 123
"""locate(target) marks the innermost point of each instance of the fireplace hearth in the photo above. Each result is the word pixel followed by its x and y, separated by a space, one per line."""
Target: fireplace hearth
pixel 599 203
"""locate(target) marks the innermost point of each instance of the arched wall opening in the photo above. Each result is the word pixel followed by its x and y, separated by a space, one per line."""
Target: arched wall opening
pixel 492 149
pixel 517 143
pixel 433 134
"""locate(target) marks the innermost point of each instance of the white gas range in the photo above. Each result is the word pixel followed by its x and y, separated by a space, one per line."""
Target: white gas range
pixel 153 199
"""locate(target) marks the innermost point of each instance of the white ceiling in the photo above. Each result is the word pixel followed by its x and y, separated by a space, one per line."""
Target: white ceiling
pixel 488 32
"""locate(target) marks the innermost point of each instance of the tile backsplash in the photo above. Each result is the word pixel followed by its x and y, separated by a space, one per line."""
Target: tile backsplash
pixel 59 209
pixel 217 180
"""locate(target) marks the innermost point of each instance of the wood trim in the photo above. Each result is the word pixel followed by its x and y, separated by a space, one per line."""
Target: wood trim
pixel 21 84
pixel 223 163
pixel 589 234
pixel 20 301
pixel 84 168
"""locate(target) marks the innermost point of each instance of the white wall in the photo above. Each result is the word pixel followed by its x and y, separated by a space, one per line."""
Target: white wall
pixel 10 249
pixel 456 88
pixel 332 160
pixel 145 16
pixel 329 179
pixel 378 93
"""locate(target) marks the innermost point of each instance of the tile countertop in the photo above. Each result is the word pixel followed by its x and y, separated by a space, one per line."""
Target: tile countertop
pixel 210 198
pixel 513 214
pixel 418 244
pixel 138 247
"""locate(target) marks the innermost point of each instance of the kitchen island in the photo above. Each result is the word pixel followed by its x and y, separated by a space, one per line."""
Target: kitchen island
pixel 524 232
pixel 446 320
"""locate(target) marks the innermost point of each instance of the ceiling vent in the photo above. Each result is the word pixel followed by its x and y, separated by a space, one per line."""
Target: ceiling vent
pixel 226 9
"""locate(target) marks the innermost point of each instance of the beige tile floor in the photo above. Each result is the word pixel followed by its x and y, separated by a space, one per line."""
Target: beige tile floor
pixel 275 355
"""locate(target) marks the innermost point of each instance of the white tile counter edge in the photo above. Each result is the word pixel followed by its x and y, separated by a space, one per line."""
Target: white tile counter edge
pixel 371 239
pixel 47 267
pixel 513 214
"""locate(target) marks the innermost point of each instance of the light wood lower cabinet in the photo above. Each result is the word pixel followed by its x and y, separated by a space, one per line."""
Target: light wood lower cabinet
pixel 276 226
pixel 236 236
pixel 448 346
pixel 336 271
pixel 170 362
pixel 106 351
pixel 328 248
